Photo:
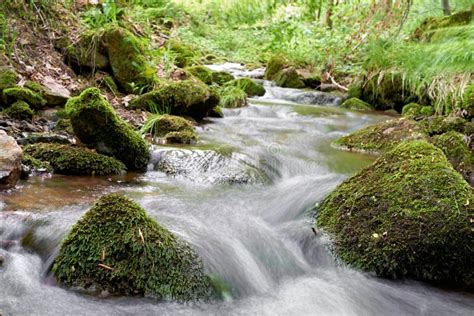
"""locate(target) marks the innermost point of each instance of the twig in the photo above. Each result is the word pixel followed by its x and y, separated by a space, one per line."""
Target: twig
pixel 101 265
pixel 337 84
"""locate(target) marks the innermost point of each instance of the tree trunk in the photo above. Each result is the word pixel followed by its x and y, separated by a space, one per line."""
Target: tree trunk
pixel 446 7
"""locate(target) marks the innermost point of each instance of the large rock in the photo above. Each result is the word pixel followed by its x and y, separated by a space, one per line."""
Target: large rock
pixel 95 123
pixel 250 87
pixel 187 98
pixel 407 215
pixel 127 60
pixel 53 92
pixel 10 161
pixel 117 247
pixel 174 130
pixel 289 78
pixel 381 137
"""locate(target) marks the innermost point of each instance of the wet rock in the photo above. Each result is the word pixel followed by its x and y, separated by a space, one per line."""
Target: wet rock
pixel 116 247
pixel 381 137
pixel 313 97
pixel 408 215
pixel 356 104
pixel 289 78
pixel 96 123
pixel 250 87
pixel 10 161
pixel 206 166
pixel 174 130
pixel 328 87
pixel 33 138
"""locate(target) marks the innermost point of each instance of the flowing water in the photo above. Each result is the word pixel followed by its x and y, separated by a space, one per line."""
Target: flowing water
pixel 256 236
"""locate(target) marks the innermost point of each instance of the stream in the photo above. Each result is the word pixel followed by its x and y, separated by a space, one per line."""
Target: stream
pixel 254 235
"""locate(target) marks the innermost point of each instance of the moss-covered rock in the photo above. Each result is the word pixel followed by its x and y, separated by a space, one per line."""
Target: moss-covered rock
pixel 274 66
pixel 427 110
pixel 35 165
pixel 387 92
pixel 127 58
pixel 183 54
pixel 355 90
pixel 467 103
pixel 233 97
pixel 356 104
pixel 70 160
pixel 54 98
pixel 289 78
pixel 202 73
pixel 313 81
pixel 428 27
pixel 8 78
pixel 221 77
pixel 250 87
pixel 186 98
pixel 454 146
pixel 12 95
pixel 381 137
pixel 411 110
pixel 436 125
pixel 216 112
pixel 19 110
pixel 407 215
pixel 175 130
pixel 95 123
pixel 65 125
pixel 117 247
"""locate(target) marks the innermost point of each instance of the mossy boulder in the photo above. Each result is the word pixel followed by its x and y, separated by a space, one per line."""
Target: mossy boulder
pixel 70 160
pixel 436 125
pixel 455 146
pixel 232 97
pixel 35 165
pixel 467 102
pixel 221 77
pixel 387 92
pixel 183 54
pixel 8 78
pixel 64 125
pixel 408 215
pixel 250 87
pixel 356 104
pixel 274 66
pixel 19 110
pixel 175 129
pixel 186 98
pixel 127 59
pixel 411 110
pixel 53 98
pixel 96 124
pixel 202 73
pixel 117 247
pixel 289 78
pixel 12 95
pixel 428 27
pixel 381 137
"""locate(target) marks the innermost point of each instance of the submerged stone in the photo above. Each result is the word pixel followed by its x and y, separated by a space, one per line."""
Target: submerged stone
pixel 117 247
pixel 95 123
pixel 381 137
pixel 71 160
pixel 356 104
pixel 407 215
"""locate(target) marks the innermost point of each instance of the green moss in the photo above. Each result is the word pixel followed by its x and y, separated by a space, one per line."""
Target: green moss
pixel 427 110
pixel 221 77
pixel 65 125
pixel 35 164
pixel 175 130
pixel 411 110
pixel 317 111
pixel 8 78
pixel 12 95
pixel 50 97
pixel 95 123
pixel 355 90
pixel 387 92
pixel 313 81
pixel 381 137
pixel 356 104
pixel 428 27
pixel 186 98
pixel 19 110
pixel 467 103
pixel 202 73
pixel 436 125
pixel 289 78
pixel 117 247
pixel 232 97
pixel 216 112
pixel 183 54
pixel 127 59
pixel 454 146
pixel 274 66
pixel 407 215
pixel 70 160
pixel 250 87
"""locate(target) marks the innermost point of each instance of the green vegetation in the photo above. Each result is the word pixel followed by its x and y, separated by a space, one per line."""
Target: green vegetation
pixel 35 164
pixel 19 110
pixel 233 97
pixel 221 77
pixel 381 137
pixel 407 215
pixel 70 160
pixel 202 73
pixel 12 95
pixel 8 78
pixel 95 123
pixel 172 129
pixel 356 104
pixel 250 87
pixel 117 247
